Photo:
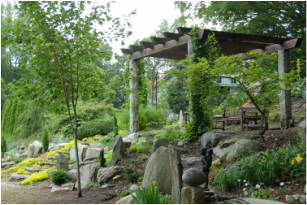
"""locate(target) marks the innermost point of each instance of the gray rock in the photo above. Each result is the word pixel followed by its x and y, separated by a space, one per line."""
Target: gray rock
pixel 296 199
pixel 118 150
pixel 192 195
pixel 126 200
pixel 302 127
pixel 176 174
pixel 18 177
pixel 182 142
pixel 251 201
pixel 133 136
pixel 34 148
pixel 180 150
pixel 233 152
pixel 226 143
pixel 81 152
pixel 158 169
pixel 160 142
pixel 107 186
pixel 88 173
pixel 62 162
pixel 127 145
pixel 92 152
pixel 211 139
pixel 56 188
pixel 90 158
pixel 105 174
pixel 194 177
pixel 72 166
pixel 220 153
pixel 186 162
pixel 133 188
pixel 85 142
pixel 72 174
pixel 148 142
pixel 34 169
pixel 7 164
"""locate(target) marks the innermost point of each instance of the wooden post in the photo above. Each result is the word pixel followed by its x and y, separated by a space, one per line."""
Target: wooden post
pixel 285 95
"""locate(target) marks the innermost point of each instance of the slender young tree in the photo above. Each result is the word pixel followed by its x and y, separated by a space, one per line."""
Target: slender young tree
pixel 63 46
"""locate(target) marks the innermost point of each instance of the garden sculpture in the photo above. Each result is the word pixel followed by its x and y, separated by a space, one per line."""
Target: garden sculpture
pixel 206 164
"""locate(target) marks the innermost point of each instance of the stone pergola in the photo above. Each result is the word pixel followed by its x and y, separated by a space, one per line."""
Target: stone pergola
pixel 177 45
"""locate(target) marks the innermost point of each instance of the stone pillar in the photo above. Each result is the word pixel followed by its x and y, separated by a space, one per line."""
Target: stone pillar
pixel 134 98
pixel 180 118
pixel 285 95
pixel 176 174
pixel 190 53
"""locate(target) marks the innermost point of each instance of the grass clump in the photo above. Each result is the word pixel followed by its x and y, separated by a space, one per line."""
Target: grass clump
pixel 92 184
pixel 124 193
pixel 107 140
pixel 59 177
pixel 172 133
pixel 139 147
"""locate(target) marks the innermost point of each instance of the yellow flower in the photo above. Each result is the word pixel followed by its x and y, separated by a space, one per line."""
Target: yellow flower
pixel 299 158
pixel 292 163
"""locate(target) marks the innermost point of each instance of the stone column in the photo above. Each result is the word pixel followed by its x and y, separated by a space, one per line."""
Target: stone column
pixel 134 98
pixel 285 95
pixel 190 53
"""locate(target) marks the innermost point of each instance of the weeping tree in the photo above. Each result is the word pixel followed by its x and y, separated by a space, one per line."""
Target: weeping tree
pixel 64 46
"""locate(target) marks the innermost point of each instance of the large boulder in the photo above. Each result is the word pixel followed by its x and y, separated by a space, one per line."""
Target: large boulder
pixel 88 173
pixel 34 148
pixel 160 142
pixel 72 174
pixel 244 145
pixel 296 199
pixel 81 152
pixel 105 174
pixel 158 169
pixel 92 152
pixel 62 162
pixel 194 177
pixel 211 139
pixel 176 174
pixel 118 150
pixel 302 127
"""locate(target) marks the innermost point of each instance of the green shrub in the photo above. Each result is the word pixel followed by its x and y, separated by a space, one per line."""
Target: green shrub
pixel 270 167
pixel 107 194
pixel 131 173
pixel 152 196
pixel 3 146
pixel 45 140
pixel 59 177
pixel 17 160
pixel 196 128
pixel 150 118
pixel 102 160
pixel 177 127
pixel 124 193
pixel 139 147
pixel 132 148
pixel 170 133
pixel 172 121
pixel 115 126
pixel 95 127
pixel 71 161
pixel 107 140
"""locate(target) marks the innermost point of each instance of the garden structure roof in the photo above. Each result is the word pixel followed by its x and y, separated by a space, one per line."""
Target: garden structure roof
pixel 174 45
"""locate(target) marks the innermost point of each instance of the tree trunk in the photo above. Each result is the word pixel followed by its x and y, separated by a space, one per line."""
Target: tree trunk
pixel 266 127
pixel 77 162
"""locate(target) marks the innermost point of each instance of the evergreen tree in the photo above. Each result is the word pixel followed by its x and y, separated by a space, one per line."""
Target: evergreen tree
pixel 19 110
pixel 45 140
pixel 115 127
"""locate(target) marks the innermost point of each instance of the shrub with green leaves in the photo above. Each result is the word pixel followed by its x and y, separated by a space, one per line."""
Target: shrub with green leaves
pixel 94 127
pixel 152 196
pixel 102 160
pixel 45 140
pixel 172 121
pixel 107 140
pixel 288 161
pixel 170 133
pixel 139 147
pixel 59 177
pixel 131 173
pixel 150 118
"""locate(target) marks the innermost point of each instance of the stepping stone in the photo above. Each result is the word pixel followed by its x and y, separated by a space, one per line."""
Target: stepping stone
pixel 46 163
pixel 6 164
pixel 34 169
pixel 51 158
pixel 251 201
pixel 107 186
pixel 18 177
pixel 56 188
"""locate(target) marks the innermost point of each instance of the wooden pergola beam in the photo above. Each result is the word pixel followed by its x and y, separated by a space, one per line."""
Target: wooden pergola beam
pixel 148 44
pixel 126 51
pixel 173 36
pixel 137 48
pixel 160 40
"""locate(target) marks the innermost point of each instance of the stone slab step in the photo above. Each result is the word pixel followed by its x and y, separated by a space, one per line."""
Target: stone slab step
pixel 7 163
pixel 19 177
pixel 46 163
pixel 34 169
pixel 251 201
